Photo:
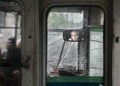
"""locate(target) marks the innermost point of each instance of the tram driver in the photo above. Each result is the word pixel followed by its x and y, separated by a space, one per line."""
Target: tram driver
pixel 74 36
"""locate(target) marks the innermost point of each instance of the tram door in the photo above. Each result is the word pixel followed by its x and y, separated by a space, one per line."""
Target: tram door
pixel 10 44
pixel 75 46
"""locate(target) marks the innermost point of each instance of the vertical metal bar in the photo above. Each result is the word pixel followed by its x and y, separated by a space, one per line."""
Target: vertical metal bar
pixel 86 23
pixel 16 25
pixel 78 56
pixel 5 19
pixel 60 55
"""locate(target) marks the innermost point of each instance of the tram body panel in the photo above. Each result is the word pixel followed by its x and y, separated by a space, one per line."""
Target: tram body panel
pixel 116 45
pixel 46 4
pixel 33 46
pixel 34 40
pixel 30 27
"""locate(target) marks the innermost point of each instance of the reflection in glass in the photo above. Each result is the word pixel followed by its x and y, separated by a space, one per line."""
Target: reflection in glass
pixel 74 35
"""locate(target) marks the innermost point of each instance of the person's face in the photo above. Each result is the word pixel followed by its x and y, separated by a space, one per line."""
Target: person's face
pixel 74 36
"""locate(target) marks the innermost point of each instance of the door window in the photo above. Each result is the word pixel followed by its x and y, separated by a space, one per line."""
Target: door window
pixel 10 44
pixel 75 45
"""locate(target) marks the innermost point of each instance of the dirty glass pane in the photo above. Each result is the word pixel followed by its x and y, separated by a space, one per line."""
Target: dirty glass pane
pixel 10 44
pixel 5 34
pixel 19 21
pixel 75 45
pixel 96 52
pixel 66 19
pixel 10 20
pixel 2 18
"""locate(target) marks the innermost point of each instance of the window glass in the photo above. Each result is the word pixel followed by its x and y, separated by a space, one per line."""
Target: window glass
pixel 66 19
pixel 10 20
pixel 75 45
pixel 2 18
pixel 10 44
pixel 96 52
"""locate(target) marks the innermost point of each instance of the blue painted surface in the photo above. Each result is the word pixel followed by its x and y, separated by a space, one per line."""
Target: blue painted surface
pixel 72 84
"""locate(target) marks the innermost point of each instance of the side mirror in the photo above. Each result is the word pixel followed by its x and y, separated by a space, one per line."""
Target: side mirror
pixel 74 35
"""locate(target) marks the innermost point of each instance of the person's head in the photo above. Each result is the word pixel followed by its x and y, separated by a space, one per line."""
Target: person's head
pixel 11 43
pixel 74 36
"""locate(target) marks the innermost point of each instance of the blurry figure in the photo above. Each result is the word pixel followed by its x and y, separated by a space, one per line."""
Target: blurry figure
pixel 18 44
pixel 17 73
pixel 2 77
pixel 12 52
pixel 13 55
pixel 0 53
pixel 74 36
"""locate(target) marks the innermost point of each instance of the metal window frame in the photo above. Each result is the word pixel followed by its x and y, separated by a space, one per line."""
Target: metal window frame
pixel 108 34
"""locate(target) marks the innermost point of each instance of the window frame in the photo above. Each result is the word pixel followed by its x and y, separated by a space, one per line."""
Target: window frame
pixel 15 28
pixel 107 67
